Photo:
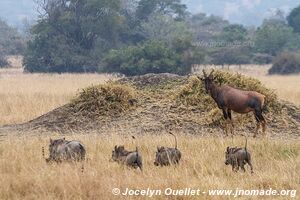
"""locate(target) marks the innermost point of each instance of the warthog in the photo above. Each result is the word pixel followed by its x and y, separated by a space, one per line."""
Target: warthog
pixel 129 158
pixel 238 157
pixel 167 156
pixel 63 150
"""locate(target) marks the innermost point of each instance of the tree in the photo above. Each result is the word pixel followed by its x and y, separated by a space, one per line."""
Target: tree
pixel 231 55
pixel 172 8
pixel 204 27
pixel 11 41
pixel 72 36
pixel 277 18
pixel 164 28
pixel 294 19
pixel 233 33
pixel 3 61
pixel 151 57
pixel 272 39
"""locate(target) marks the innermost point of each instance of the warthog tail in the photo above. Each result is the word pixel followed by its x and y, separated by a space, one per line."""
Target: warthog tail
pixel 43 152
pixel 138 159
pixel 175 139
pixel 246 143
pixel 83 152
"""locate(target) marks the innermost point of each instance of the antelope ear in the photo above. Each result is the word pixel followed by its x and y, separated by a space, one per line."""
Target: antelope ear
pixel 199 77
pixel 202 79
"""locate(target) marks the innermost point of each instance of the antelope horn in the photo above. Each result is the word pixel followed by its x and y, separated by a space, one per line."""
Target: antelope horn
pixel 204 73
pixel 211 72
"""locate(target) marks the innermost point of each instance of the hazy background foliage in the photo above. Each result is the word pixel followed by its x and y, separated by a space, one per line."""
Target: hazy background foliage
pixel 141 36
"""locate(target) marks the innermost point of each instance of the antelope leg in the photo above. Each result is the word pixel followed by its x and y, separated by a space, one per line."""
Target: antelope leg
pixel 257 128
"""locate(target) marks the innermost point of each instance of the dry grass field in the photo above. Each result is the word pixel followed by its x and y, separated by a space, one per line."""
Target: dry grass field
pixel 287 87
pixel 26 96
pixel 25 174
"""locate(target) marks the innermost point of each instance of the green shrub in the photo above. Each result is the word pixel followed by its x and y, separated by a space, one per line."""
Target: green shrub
pixel 3 62
pixel 235 55
pixel 286 63
pixel 149 57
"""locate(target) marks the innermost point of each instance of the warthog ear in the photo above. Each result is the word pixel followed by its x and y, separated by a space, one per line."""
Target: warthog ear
pixel 227 150
pixel 64 138
pixel 116 147
pixel 121 147
pixel 51 140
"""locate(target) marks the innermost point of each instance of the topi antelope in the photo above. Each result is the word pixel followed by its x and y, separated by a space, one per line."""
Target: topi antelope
pixel 232 99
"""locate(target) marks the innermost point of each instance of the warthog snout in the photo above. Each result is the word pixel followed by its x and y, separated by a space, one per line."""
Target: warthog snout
pixel 226 162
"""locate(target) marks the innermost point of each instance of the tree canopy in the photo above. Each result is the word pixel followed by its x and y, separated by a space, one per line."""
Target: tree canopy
pixel 141 36
pixel 294 19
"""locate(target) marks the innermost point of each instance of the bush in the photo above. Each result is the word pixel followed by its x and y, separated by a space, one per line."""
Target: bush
pixel 56 54
pixel 286 63
pixel 149 57
pixel 231 56
pixel 11 41
pixel 260 58
pixel 3 62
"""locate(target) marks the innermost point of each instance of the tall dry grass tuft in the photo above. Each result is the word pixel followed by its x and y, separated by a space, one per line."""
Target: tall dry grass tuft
pixel 286 87
pixel 25 174
pixel 26 96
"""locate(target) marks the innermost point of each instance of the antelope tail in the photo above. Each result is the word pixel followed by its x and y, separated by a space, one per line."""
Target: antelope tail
pixel 262 102
pixel 175 139
pixel 43 152
pixel 82 168
pixel 246 143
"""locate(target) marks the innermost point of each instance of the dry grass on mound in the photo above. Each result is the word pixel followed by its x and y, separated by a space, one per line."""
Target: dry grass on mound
pixel 25 174
pixel 153 102
pixel 103 99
